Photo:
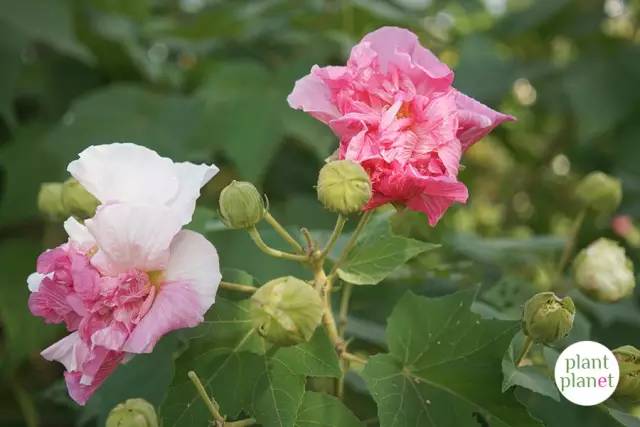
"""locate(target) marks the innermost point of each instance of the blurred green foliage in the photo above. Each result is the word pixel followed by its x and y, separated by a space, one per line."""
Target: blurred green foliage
pixel 207 80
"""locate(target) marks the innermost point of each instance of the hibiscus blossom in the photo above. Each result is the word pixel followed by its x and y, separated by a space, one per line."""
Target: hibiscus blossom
pixel 128 275
pixel 396 113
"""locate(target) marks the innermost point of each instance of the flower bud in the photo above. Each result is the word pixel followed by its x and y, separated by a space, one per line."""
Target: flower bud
pixel 241 205
pixel 286 311
pixel 77 201
pixel 599 192
pixel 50 201
pixel 603 271
pixel 133 413
pixel 343 187
pixel 547 318
pixel 629 362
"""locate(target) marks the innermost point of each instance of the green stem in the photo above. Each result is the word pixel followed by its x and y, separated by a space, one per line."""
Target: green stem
pixel 213 407
pixel 364 219
pixel 353 357
pixel 283 232
pixel 571 242
pixel 344 308
pixel 241 423
pixel 257 239
pixel 525 350
pixel 337 230
pixel 238 287
pixel 27 407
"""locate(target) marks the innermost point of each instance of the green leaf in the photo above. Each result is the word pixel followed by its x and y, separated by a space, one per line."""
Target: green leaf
pixel 146 376
pixel 11 45
pixel 224 355
pixel 316 358
pixel 22 333
pixel 443 367
pixel 377 254
pixel 49 22
pixel 323 410
pixel 243 372
pixel 161 122
pixel 277 394
pixel 24 171
pixel 533 378
pixel 242 116
pixel 564 413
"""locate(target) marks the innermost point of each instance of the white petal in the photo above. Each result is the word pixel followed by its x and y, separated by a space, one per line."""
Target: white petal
pixel 124 172
pixel 194 260
pixel 132 236
pixel 66 351
pixel 34 280
pixel 191 178
pixel 79 235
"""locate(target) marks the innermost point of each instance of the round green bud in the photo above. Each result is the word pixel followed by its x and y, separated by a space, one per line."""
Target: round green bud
pixel 133 413
pixel 603 271
pixel 629 362
pixel 286 311
pixel 599 192
pixel 343 187
pixel 547 318
pixel 77 201
pixel 241 205
pixel 50 201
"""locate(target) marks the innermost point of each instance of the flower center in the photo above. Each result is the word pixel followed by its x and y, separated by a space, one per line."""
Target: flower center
pixel 156 277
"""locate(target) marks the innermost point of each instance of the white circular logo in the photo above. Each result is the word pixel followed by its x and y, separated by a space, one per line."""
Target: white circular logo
pixel 587 373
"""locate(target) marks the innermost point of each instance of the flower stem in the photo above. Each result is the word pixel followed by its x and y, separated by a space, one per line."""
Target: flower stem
pixel 344 308
pixel 283 232
pixel 525 350
pixel 353 357
pixel 257 239
pixel 364 219
pixel 571 242
pixel 337 230
pixel 238 287
pixel 241 423
pixel 213 407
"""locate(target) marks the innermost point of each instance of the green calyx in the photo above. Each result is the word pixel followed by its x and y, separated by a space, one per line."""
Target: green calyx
pixel 241 205
pixel 133 413
pixel 547 318
pixel 343 187
pixel 286 311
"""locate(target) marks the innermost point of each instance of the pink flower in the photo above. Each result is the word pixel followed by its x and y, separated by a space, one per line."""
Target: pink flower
pixel 396 113
pixel 129 275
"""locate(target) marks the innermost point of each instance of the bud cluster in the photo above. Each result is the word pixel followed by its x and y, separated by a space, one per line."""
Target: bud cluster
pixel 57 201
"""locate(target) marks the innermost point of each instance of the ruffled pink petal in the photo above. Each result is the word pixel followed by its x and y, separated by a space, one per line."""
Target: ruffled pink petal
pixel 310 94
pixel 80 389
pixel 132 236
pixel 401 48
pixel 68 351
pixel 476 120
pixel 176 306
pixel 436 197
